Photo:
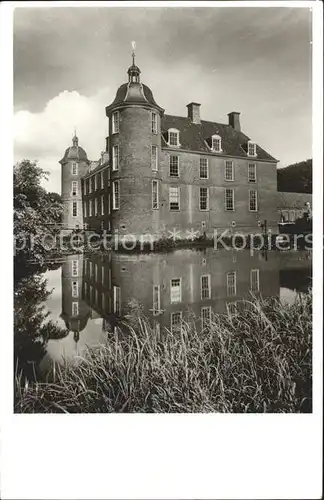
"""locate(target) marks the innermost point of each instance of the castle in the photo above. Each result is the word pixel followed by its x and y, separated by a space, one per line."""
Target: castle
pixel 162 173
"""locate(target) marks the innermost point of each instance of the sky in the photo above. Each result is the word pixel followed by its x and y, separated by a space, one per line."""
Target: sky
pixel 69 62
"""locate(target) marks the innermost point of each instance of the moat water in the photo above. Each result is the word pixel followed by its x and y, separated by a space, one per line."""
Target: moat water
pixel 89 296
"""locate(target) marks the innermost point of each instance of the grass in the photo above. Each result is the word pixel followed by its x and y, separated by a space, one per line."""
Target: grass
pixel 255 360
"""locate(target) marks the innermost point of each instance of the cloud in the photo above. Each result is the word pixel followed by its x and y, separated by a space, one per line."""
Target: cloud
pixel 44 136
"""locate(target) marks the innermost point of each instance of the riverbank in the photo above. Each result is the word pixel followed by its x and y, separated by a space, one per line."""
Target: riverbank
pixel 256 360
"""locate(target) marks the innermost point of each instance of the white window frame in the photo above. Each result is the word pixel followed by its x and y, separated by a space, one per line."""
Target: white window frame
pixel 74 168
pixel 203 290
pixel 218 138
pixel 102 205
pixel 117 299
pixel 178 325
pixel 116 206
pixel 115 122
pixel 96 206
pixel 85 186
pixel 172 196
pixel 179 291
pixel 155 203
pixel 75 308
pixel 74 188
pixel 75 268
pixel 231 287
pixel 154 122
pixel 95 182
pixel 203 319
pixel 102 184
pixel 251 144
pixel 154 158
pixel 115 165
pixel 252 179
pixel 205 166
pixel 207 198
pixel 74 205
pixel 90 208
pixel 75 289
pixel 255 273
pixel 229 164
pixel 90 184
pixel 176 134
pixel 85 209
pixel 156 300
pixel 256 200
pixel 225 200
pixel 171 164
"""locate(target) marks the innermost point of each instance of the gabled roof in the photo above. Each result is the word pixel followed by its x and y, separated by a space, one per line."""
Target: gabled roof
pixel 193 137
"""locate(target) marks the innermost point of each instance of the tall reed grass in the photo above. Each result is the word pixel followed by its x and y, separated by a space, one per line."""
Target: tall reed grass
pixel 258 359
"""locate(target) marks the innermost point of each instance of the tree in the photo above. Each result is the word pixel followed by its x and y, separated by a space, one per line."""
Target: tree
pixel 296 178
pixel 36 212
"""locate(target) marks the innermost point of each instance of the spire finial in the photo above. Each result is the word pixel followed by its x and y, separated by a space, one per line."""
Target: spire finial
pixel 133 53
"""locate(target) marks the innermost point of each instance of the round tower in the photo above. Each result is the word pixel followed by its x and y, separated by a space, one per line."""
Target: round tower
pixel 135 148
pixel 74 166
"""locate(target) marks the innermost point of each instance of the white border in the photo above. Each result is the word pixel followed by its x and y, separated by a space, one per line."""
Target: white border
pixel 160 456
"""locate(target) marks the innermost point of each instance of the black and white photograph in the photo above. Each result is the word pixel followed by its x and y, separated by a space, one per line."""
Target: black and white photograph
pixel 163 207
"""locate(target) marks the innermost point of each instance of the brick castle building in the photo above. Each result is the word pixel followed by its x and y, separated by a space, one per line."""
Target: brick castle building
pixel 160 173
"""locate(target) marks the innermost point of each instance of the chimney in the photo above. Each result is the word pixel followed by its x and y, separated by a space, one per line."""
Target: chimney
pixel 234 120
pixel 194 112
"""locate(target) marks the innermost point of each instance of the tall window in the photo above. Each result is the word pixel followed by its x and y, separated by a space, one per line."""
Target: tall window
pixel 85 209
pixel 116 195
pixel 176 318
pixel 154 123
pixel 75 289
pixel 85 186
pixel 216 143
pixel 75 267
pixel 255 280
pixel 74 169
pixel 74 209
pixel 229 199
pixel 203 198
pixel 231 283
pixel 155 195
pixel 203 168
pixel 154 158
pixel 74 188
pixel 115 157
pixel 95 182
pixel 156 299
pixel 117 300
pixel 109 204
pixel 102 180
pixel 253 200
pixel 252 172
pixel 205 286
pixel 229 170
pixel 90 208
pixel 102 205
pixel 75 308
pixel 90 185
pixel 205 316
pixel 115 122
pixel 173 137
pixel 174 166
pixel 174 197
pixel 251 149
pixel 175 294
pixel 96 206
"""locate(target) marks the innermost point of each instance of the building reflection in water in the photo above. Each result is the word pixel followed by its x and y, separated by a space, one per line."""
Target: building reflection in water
pixel 171 287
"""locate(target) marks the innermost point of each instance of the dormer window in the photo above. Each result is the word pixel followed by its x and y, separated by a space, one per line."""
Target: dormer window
pixel 173 137
pixel 115 122
pixel 216 143
pixel 251 149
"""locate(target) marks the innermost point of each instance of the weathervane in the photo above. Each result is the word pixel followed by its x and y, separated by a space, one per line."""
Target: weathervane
pixel 133 53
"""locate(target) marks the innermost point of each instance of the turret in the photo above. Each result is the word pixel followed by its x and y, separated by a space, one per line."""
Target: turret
pixel 135 147
pixel 74 165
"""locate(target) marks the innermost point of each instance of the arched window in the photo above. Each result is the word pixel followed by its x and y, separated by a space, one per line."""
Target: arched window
pixel 216 143
pixel 173 137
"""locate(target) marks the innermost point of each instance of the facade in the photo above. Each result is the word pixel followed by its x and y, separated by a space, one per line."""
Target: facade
pixel 161 173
